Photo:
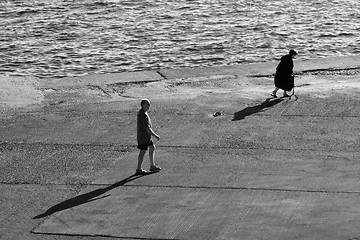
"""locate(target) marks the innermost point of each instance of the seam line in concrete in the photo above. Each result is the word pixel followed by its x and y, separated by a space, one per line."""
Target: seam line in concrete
pixel 130 148
pixel 245 188
pixel 206 114
pixel 197 187
pixel 312 116
pixel 95 235
pixel 302 72
pixel 162 75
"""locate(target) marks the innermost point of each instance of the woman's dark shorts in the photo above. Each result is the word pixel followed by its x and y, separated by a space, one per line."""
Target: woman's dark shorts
pixel 145 146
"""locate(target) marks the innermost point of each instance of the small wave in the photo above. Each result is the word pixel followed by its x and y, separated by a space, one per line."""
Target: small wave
pixel 328 35
pixel 102 3
pixel 265 45
pixel 334 35
pixel 27 11
pixel 166 17
pixel 346 34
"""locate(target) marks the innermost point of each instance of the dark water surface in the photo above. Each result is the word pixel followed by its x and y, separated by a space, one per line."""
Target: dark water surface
pixel 48 38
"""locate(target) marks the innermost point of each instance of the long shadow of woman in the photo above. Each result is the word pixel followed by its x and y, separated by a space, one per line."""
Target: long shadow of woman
pixel 269 102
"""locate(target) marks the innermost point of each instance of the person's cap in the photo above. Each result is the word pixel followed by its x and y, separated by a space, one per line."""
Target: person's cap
pixel 293 52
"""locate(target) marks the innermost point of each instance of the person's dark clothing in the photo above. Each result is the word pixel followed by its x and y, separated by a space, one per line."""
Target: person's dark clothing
pixel 284 78
pixel 145 146
pixel 143 124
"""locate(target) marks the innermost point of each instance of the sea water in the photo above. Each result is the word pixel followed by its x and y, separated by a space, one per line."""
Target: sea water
pixel 58 38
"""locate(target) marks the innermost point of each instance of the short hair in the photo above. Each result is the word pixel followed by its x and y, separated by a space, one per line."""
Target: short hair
pixel 293 52
pixel 145 101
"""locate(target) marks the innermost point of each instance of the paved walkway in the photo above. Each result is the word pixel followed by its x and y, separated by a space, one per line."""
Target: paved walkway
pixel 274 170
pixel 264 169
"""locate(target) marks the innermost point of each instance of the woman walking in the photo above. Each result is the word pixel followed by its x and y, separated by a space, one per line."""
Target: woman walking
pixel 284 76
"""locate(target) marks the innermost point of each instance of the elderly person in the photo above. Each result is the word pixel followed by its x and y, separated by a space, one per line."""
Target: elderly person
pixel 284 76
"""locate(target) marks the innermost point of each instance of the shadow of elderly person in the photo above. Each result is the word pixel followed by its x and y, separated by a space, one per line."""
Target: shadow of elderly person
pixel 269 102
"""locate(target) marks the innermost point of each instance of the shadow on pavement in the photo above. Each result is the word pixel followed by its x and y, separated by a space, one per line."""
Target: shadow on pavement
pixel 269 102
pixel 87 197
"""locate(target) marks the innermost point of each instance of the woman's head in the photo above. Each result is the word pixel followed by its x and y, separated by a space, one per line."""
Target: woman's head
pixel 293 53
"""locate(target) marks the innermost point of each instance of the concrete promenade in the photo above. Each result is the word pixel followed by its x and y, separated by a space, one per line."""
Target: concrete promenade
pixel 285 168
